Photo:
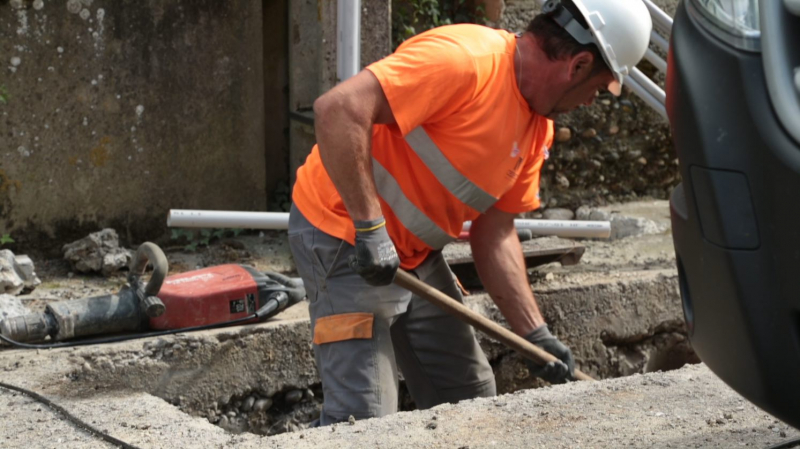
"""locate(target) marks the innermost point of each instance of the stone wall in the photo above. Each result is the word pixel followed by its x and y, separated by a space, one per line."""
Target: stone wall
pixel 114 111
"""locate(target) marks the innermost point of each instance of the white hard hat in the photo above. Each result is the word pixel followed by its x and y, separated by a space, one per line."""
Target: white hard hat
pixel 620 29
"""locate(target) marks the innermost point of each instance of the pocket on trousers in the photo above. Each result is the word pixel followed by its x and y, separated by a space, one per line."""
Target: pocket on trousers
pixel 304 265
pixel 342 327
pixel 327 253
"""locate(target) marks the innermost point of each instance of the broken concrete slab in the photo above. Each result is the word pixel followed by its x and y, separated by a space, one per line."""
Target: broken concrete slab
pixel 99 252
pixel 17 273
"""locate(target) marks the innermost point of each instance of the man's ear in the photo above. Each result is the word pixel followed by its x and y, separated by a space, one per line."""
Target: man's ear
pixel 581 65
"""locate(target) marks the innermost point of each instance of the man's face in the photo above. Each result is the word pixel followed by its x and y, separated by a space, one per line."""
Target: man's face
pixel 582 92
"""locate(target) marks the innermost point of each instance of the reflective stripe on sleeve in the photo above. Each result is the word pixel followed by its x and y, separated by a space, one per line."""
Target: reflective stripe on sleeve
pixel 409 215
pixel 461 187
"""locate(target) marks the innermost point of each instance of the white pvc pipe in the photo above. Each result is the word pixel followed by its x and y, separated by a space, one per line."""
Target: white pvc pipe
pixel 227 219
pixel 656 60
pixel 562 228
pixel 280 220
pixel 648 84
pixel 646 96
pixel 659 41
pixel 348 38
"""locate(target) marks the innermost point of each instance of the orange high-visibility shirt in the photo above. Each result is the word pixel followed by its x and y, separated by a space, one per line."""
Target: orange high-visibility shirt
pixel 464 140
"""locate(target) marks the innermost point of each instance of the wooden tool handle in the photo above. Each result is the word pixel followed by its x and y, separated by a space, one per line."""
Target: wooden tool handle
pixel 489 327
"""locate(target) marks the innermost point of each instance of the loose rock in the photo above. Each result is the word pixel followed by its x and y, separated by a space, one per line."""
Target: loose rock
pixel 563 135
pixel 558 214
pixel 561 181
pixel 262 405
pixel 294 396
pixel 99 252
pixel 16 273
pixel 248 403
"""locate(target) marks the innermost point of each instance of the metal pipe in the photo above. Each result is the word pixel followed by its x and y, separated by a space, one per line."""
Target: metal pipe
pixel 659 41
pixel 649 99
pixel 280 220
pixel 348 38
pixel 660 19
pixel 656 60
pixel 649 85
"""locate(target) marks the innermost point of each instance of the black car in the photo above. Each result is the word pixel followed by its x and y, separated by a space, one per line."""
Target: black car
pixel 733 99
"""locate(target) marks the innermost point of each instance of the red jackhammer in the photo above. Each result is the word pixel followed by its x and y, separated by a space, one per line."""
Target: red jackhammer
pixel 213 297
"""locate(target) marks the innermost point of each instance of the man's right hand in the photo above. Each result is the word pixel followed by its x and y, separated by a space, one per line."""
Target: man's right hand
pixel 376 257
pixel 556 372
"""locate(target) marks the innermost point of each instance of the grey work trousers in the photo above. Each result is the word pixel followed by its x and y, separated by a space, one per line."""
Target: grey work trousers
pixel 363 334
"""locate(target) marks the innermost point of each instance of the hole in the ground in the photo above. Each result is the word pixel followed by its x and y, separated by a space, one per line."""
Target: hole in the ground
pixel 263 380
pixel 294 409
pixel 285 411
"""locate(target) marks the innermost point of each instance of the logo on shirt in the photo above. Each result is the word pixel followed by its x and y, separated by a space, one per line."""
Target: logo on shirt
pixel 515 150
pixel 514 172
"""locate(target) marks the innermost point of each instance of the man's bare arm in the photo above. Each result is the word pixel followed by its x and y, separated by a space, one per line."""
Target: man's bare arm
pixel 343 119
pixel 501 266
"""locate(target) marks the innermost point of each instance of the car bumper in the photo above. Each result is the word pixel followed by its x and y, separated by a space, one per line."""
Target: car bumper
pixel 736 219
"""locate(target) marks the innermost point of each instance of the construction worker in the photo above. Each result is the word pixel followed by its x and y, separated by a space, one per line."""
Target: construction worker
pixel 454 126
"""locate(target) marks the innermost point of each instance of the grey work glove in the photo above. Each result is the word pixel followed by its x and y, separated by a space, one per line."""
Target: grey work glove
pixel 556 372
pixel 376 257
pixel 293 287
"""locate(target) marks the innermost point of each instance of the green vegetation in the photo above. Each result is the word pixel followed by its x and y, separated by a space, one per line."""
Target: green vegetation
pixel 5 239
pixel 411 17
pixel 4 94
pixel 281 198
pixel 201 237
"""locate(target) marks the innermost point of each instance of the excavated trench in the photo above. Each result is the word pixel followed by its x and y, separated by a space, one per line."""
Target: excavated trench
pixel 262 379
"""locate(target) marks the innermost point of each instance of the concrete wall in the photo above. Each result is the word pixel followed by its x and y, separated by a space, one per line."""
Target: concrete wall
pixel 276 94
pixel 118 110
pixel 312 60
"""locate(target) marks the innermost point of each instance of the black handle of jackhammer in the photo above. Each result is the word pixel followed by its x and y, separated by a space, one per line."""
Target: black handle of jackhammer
pixel 149 252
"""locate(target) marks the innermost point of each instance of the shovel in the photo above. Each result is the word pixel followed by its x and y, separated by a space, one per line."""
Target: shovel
pixel 525 348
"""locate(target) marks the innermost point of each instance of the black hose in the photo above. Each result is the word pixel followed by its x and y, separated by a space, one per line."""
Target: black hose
pixel 268 310
pixel 83 425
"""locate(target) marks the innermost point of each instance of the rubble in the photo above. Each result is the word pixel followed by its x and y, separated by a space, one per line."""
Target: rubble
pixel 16 273
pixel 98 253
